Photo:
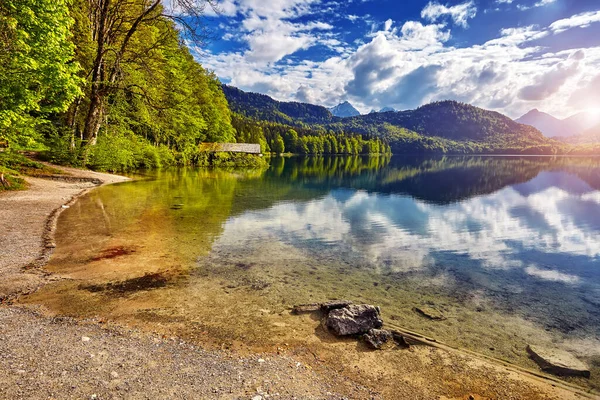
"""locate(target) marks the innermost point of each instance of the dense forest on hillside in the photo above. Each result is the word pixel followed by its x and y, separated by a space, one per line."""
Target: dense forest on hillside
pixel 262 107
pixel 441 127
pixel 280 138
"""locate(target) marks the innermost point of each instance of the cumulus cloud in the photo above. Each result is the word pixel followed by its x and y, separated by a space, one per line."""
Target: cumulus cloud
pixel 587 95
pixel 539 3
pixel 548 83
pixel 403 64
pixel 459 14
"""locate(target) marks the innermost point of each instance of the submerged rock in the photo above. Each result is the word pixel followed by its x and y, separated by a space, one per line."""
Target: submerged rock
pixel 334 305
pixel 354 319
pixel 430 313
pixel 558 362
pixel 377 338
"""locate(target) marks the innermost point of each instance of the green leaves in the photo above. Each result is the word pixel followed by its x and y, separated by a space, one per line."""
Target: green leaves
pixel 37 72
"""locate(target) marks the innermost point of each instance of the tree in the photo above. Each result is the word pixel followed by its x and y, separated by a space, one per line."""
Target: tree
pixel 278 145
pixel 37 72
pixel 114 25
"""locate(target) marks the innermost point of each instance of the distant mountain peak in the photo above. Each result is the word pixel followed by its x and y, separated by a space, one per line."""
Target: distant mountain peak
pixel 553 127
pixel 344 109
pixel 387 109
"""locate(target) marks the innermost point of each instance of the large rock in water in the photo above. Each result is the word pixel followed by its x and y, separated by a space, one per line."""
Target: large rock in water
pixel 558 362
pixel 354 319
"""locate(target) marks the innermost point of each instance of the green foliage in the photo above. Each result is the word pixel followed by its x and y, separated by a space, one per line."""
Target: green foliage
pixel 261 107
pixel 278 145
pixel 119 152
pixel 13 165
pixel 37 73
pixel 162 107
pixel 226 159
pixel 297 140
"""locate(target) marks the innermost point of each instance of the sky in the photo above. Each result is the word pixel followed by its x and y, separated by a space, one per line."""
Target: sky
pixel 505 55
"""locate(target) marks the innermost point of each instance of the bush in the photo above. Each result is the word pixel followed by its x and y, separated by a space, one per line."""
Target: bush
pixel 226 159
pixel 62 151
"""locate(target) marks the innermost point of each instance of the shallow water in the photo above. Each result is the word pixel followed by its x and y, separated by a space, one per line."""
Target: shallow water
pixel 507 248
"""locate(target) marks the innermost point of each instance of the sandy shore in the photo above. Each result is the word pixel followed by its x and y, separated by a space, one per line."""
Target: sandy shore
pixel 45 357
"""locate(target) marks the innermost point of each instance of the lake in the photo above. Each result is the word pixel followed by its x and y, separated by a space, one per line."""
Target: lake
pixel 506 248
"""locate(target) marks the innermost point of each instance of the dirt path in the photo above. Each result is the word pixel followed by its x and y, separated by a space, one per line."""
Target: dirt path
pixel 45 357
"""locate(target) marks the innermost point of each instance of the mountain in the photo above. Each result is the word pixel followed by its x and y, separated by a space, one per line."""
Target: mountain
pixel 344 110
pixel 440 127
pixel 455 121
pixel 590 136
pixel 387 109
pixel 554 127
pixel 262 107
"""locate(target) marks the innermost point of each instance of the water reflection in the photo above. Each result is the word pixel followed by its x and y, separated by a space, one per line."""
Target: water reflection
pixel 528 225
pixel 509 246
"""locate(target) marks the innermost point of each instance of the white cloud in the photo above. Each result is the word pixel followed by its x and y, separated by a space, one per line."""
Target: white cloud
pixel 540 3
pixel 404 65
pixel 459 13
pixel 582 20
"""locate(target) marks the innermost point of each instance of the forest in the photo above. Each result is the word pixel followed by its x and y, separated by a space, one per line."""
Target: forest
pixel 111 85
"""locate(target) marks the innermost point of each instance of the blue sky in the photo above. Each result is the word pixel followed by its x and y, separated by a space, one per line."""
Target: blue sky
pixel 506 55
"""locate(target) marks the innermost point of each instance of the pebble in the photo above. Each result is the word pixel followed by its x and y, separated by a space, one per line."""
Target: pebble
pixel 85 339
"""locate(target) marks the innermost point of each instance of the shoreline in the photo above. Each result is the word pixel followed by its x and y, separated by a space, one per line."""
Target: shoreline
pixel 321 385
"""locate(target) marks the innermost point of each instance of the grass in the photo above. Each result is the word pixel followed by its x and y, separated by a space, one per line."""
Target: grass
pixel 15 165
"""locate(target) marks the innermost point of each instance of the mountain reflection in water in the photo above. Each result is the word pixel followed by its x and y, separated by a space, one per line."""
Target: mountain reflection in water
pixel 507 247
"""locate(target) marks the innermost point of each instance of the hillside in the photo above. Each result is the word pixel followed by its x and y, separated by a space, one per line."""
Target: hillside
pixel 590 136
pixel 551 126
pixel 454 126
pixel 441 127
pixel 264 108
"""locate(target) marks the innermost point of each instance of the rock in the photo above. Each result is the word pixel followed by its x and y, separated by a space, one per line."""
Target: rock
pixel 114 375
pixel 558 362
pixel 334 305
pixel 400 339
pixel 377 338
pixel 85 339
pixel 430 313
pixel 306 308
pixel 353 319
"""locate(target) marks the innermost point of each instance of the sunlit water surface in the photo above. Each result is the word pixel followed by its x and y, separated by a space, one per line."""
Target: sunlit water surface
pixel 508 248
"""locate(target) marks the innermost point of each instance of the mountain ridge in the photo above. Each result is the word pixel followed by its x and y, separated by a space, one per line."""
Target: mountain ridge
pixel 442 127
pixel 553 127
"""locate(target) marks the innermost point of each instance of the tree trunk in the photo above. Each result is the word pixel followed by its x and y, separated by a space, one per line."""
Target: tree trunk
pixel 93 120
